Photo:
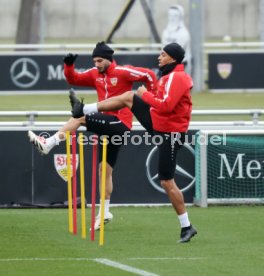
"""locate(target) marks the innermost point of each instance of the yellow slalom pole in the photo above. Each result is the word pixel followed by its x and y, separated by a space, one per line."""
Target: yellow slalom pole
pixel 69 174
pixel 101 239
pixel 82 186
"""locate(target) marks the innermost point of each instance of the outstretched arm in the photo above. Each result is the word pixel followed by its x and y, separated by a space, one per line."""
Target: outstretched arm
pixel 140 74
pixel 74 77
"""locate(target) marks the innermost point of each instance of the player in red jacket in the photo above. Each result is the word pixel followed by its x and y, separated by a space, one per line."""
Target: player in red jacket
pixel 109 79
pixel 166 113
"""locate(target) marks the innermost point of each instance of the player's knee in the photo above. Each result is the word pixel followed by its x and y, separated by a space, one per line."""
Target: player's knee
pixel 81 120
pixel 129 94
pixel 127 98
pixel 166 184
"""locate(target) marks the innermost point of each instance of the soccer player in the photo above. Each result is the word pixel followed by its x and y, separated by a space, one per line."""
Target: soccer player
pixel 166 113
pixel 109 79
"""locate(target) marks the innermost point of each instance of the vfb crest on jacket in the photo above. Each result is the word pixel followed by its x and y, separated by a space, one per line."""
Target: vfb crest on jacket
pixel 113 81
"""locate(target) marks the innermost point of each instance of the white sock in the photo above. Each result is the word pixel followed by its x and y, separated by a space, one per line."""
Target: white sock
pixel 51 141
pixel 90 108
pixel 106 206
pixel 54 140
pixel 184 220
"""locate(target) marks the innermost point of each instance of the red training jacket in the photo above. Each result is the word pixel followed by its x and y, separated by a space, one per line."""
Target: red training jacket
pixel 171 107
pixel 115 81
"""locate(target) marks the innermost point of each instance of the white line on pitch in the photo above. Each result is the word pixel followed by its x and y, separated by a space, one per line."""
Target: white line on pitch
pixel 169 258
pixel 125 267
pixel 101 261
pixel 43 259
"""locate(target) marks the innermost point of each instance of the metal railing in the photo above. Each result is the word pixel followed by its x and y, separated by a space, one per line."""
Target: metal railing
pixel 63 47
pixel 126 46
pixel 32 116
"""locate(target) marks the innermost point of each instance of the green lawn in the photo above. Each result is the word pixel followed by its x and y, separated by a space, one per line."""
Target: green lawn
pixel 39 102
pixel 204 100
pixel 229 242
pixel 207 100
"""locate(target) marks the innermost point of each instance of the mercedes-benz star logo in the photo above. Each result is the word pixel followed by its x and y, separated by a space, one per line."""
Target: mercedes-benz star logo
pixel 151 168
pixel 24 72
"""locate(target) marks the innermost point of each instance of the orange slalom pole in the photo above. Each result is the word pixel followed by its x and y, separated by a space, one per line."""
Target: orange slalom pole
pixel 82 185
pixel 69 174
pixel 101 239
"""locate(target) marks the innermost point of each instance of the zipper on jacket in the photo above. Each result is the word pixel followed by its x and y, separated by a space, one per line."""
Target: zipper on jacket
pixel 106 91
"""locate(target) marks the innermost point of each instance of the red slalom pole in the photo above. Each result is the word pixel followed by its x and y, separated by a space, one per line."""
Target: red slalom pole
pixel 94 173
pixel 74 183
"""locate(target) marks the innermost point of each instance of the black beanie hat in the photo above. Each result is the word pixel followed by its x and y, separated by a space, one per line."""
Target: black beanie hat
pixel 103 51
pixel 175 51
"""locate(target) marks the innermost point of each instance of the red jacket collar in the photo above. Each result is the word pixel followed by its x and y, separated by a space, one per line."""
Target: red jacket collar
pixel 111 67
pixel 179 67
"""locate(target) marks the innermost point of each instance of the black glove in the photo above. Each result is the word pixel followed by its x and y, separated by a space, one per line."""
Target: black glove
pixel 69 59
pixel 77 105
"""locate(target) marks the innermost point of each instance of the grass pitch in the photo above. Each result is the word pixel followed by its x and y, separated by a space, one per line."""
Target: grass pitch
pixel 229 242
pixel 204 100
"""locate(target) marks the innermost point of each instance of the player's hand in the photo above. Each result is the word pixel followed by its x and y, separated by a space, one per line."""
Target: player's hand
pixel 70 58
pixel 141 90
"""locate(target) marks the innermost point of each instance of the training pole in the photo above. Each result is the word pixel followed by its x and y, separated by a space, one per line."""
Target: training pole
pixel 69 173
pixel 82 184
pixel 94 173
pixel 74 183
pixel 103 180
